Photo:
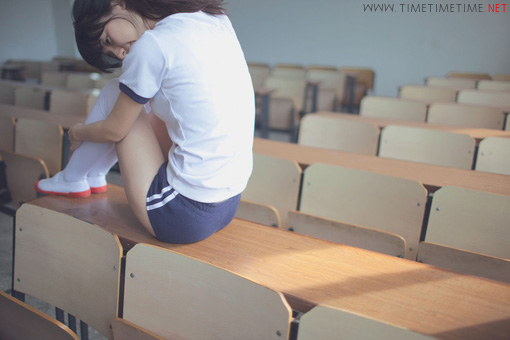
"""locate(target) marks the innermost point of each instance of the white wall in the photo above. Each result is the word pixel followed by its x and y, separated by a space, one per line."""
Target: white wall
pixel 36 29
pixel 402 47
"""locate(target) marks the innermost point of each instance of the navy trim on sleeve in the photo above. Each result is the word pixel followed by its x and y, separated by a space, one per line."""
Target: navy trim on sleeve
pixel 132 95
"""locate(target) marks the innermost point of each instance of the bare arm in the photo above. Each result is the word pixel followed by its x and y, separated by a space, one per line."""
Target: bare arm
pixel 113 129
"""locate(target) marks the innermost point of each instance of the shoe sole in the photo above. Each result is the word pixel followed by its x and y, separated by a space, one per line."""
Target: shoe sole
pixel 99 190
pixel 80 194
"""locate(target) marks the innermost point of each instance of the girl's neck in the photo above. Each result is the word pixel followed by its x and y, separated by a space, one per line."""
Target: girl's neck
pixel 151 23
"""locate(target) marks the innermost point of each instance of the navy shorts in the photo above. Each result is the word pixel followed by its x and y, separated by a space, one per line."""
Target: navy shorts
pixel 178 219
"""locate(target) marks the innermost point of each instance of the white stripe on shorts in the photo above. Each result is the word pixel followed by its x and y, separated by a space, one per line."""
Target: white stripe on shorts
pixel 163 202
pixel 158 196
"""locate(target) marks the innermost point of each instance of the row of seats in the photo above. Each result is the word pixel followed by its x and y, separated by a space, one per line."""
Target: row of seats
pixel 60 101
pixel 460 114
pixel 77 80
pixel 417 144
pixel 383 213
pixel 295 90
pixel 152 293
pixel 32 70
pixel 33 149
pixel 468 84
pixel 478 75
pixel 430 94
pixel 333 80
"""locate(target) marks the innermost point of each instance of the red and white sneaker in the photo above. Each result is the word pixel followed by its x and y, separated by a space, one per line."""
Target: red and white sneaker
pixel 57 186
pixel 97 184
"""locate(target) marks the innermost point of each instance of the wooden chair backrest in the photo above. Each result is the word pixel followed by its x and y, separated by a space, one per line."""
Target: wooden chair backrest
pixel 287 87
pixel 427 146
pixel 275 182
pixel 494 155
pixel 486 98
pixel 465 115
pixel 469 75
pixel 327 323
pixel 21 321
pixel 338 134
pixel 368 199
pixel 471 220
pixel 40 139
pixel 125 330
pixel 349 234
pixel 6 94
pixel 49 66
pixel 465 262
pixel 328 78
pixel 428 94
pixel 22 172
pixel 289 70
pixel 171 294
pixel 54 78
pixel 364 75
pixel 72 102
pixel 7 133
pixel 82 80
pixel 32 69
pixel 259 213
pixel 30 97
pixel 68 263
pixel 394 108
pixel 258 73
pixel 283 113
pixel 494 85
pixel 332 85
pixel 454 83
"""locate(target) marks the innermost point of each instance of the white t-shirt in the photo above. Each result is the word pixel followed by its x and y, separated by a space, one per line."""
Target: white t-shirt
pixel 193 70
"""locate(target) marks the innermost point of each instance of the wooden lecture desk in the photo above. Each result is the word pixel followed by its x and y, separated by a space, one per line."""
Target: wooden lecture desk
pixel 311 271
pixel 431 176
pixel 476 133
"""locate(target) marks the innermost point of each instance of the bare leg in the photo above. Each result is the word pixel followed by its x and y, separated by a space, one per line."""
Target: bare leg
pixel 140 158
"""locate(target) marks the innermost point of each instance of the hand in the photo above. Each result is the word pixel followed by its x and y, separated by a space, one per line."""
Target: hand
pixel 75 143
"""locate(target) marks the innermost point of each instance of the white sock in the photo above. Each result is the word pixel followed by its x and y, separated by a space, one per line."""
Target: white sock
pixel 90 159
pixel 104 165
pixel 94 159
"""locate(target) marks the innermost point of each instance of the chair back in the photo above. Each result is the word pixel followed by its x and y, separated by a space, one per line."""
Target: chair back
pixel 393 108
pixel 41 140
pixel 338 134
pixel 349 234
pixel 22 172
pixel 68 263
pixel 391 204
pixel 472 220
pixel 326 323
pixel 428 94
pixel 258 213
pixel 494 155
pixel 275 182
pixel 430 146
pixel 454 83
pixel 170 294
pixel 21 321
pixel 464 115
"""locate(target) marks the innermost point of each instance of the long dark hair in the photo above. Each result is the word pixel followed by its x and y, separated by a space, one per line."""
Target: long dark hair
pixel 88 27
